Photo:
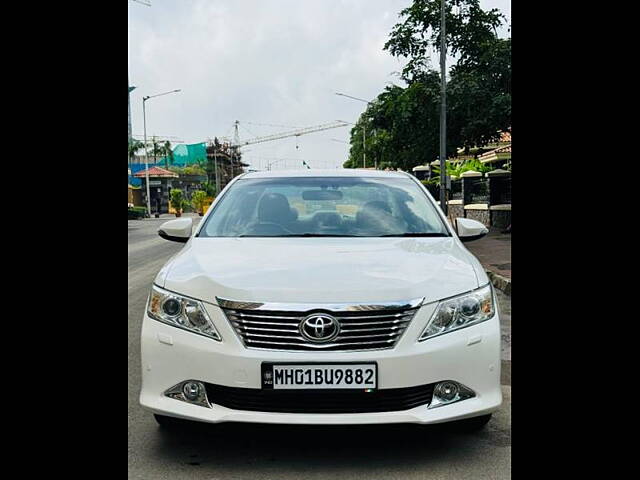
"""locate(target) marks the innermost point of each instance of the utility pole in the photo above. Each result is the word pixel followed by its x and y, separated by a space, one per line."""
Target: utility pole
pixel 234 149
pixel 146 154
pixel 443 110
pixel 364 146
pixel 131 89
pixel 146 149
pixel 364 133
pixel 215 168
pixel 375 153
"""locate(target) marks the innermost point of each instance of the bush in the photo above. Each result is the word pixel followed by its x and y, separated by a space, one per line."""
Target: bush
pixel 198 199
pixel 188 170
pixel 136 213
pixel 210 189
pixel 177 200
pixel 194 170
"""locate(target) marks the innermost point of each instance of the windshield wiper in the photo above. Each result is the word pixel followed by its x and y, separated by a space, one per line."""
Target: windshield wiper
pixel 415 234
pixel 293 235
pixel 298 235
pixel 314 235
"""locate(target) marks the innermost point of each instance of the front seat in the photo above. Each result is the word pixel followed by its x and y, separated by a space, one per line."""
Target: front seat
pixel 274 208
pixel 375 217
pixel 372 209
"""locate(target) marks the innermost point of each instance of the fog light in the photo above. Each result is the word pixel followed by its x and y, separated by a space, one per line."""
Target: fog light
pixel 191 390
pixel 448 392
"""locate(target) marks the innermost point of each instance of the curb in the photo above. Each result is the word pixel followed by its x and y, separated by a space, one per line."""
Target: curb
pixel 500 282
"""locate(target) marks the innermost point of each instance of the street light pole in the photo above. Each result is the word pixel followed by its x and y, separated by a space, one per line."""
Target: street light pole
pixel 443 110
pixel 146 149
pixel 215 168
pixel 364 132
pixel 146 155
pixel 364 146
pixel 131 89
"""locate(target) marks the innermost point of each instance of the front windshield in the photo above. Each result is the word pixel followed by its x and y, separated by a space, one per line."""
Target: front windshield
pixel 324 206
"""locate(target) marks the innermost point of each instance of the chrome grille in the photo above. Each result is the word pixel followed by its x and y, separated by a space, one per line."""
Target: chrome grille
pixel 276 326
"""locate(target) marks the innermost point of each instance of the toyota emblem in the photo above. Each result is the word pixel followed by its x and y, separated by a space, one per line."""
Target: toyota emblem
pixel 319 328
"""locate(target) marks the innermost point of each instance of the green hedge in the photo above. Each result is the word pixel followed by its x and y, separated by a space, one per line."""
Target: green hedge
pixel 137 212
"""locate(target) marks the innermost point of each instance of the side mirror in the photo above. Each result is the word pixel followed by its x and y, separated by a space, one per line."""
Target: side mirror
pixel 469 230
pixel 178 230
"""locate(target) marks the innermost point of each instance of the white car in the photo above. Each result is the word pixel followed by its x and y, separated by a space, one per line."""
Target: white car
pixel 322 297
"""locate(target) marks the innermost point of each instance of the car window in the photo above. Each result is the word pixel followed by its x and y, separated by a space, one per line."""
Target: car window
pixel 324 206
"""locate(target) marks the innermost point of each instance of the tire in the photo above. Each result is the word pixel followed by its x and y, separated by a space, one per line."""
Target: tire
pixel 473 424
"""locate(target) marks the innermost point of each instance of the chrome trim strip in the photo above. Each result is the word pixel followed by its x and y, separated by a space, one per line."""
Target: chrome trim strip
pixel 376 335
pixel 382 322
pixel 277 317
pixel 278 324
pixel 390 315
pixel 377 329
pixel 261 335
pixel 291 330
pixel 323 345
pixel 332 307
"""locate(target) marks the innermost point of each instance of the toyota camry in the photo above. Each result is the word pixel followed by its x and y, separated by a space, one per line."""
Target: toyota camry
pixel 322 297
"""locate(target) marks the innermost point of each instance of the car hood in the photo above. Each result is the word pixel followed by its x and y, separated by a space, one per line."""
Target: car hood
pixel 321 270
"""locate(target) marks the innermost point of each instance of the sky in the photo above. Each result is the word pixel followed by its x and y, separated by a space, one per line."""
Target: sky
pixel 273 65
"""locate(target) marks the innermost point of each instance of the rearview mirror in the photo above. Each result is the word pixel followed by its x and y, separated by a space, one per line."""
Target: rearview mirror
pixel 322 195
pixel 178 230
pixel 469 230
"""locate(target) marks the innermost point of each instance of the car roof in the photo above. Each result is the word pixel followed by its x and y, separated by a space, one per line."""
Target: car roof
pixel 340 172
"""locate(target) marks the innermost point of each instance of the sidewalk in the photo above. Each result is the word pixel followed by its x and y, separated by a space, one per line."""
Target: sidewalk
pixel 494 252
pixel 171 216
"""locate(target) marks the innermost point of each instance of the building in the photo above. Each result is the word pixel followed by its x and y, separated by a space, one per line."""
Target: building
pixel 497 158
pixel 160 184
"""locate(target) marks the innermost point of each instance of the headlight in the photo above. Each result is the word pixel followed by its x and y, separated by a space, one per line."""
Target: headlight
pixel 181 312
pixel 461 311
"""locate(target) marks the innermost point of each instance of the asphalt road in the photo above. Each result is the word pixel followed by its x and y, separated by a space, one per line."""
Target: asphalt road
pixel 256 451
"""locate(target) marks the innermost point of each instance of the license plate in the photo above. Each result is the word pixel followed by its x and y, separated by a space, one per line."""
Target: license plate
pixel 319 376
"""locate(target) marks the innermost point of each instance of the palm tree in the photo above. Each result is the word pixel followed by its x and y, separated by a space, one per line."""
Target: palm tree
pixel 134 146
pixel 157 150
pixel 168 153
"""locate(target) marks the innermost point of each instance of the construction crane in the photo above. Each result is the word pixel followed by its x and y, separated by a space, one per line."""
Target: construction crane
pixel 159 139
pixel 294 133
pixel 236 143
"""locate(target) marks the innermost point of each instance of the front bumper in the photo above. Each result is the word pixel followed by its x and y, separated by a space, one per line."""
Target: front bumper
pixel 470 356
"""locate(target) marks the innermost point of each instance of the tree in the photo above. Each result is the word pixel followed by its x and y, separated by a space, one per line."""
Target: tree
pixel 479 97
pixel 198 200
pixel 168 154
pixel 469 30
pixel 134 146
pixel 210 189
pixel 157 149
pixel 178 202
pixel 457 169
pixel 406 125
pixel 407 119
